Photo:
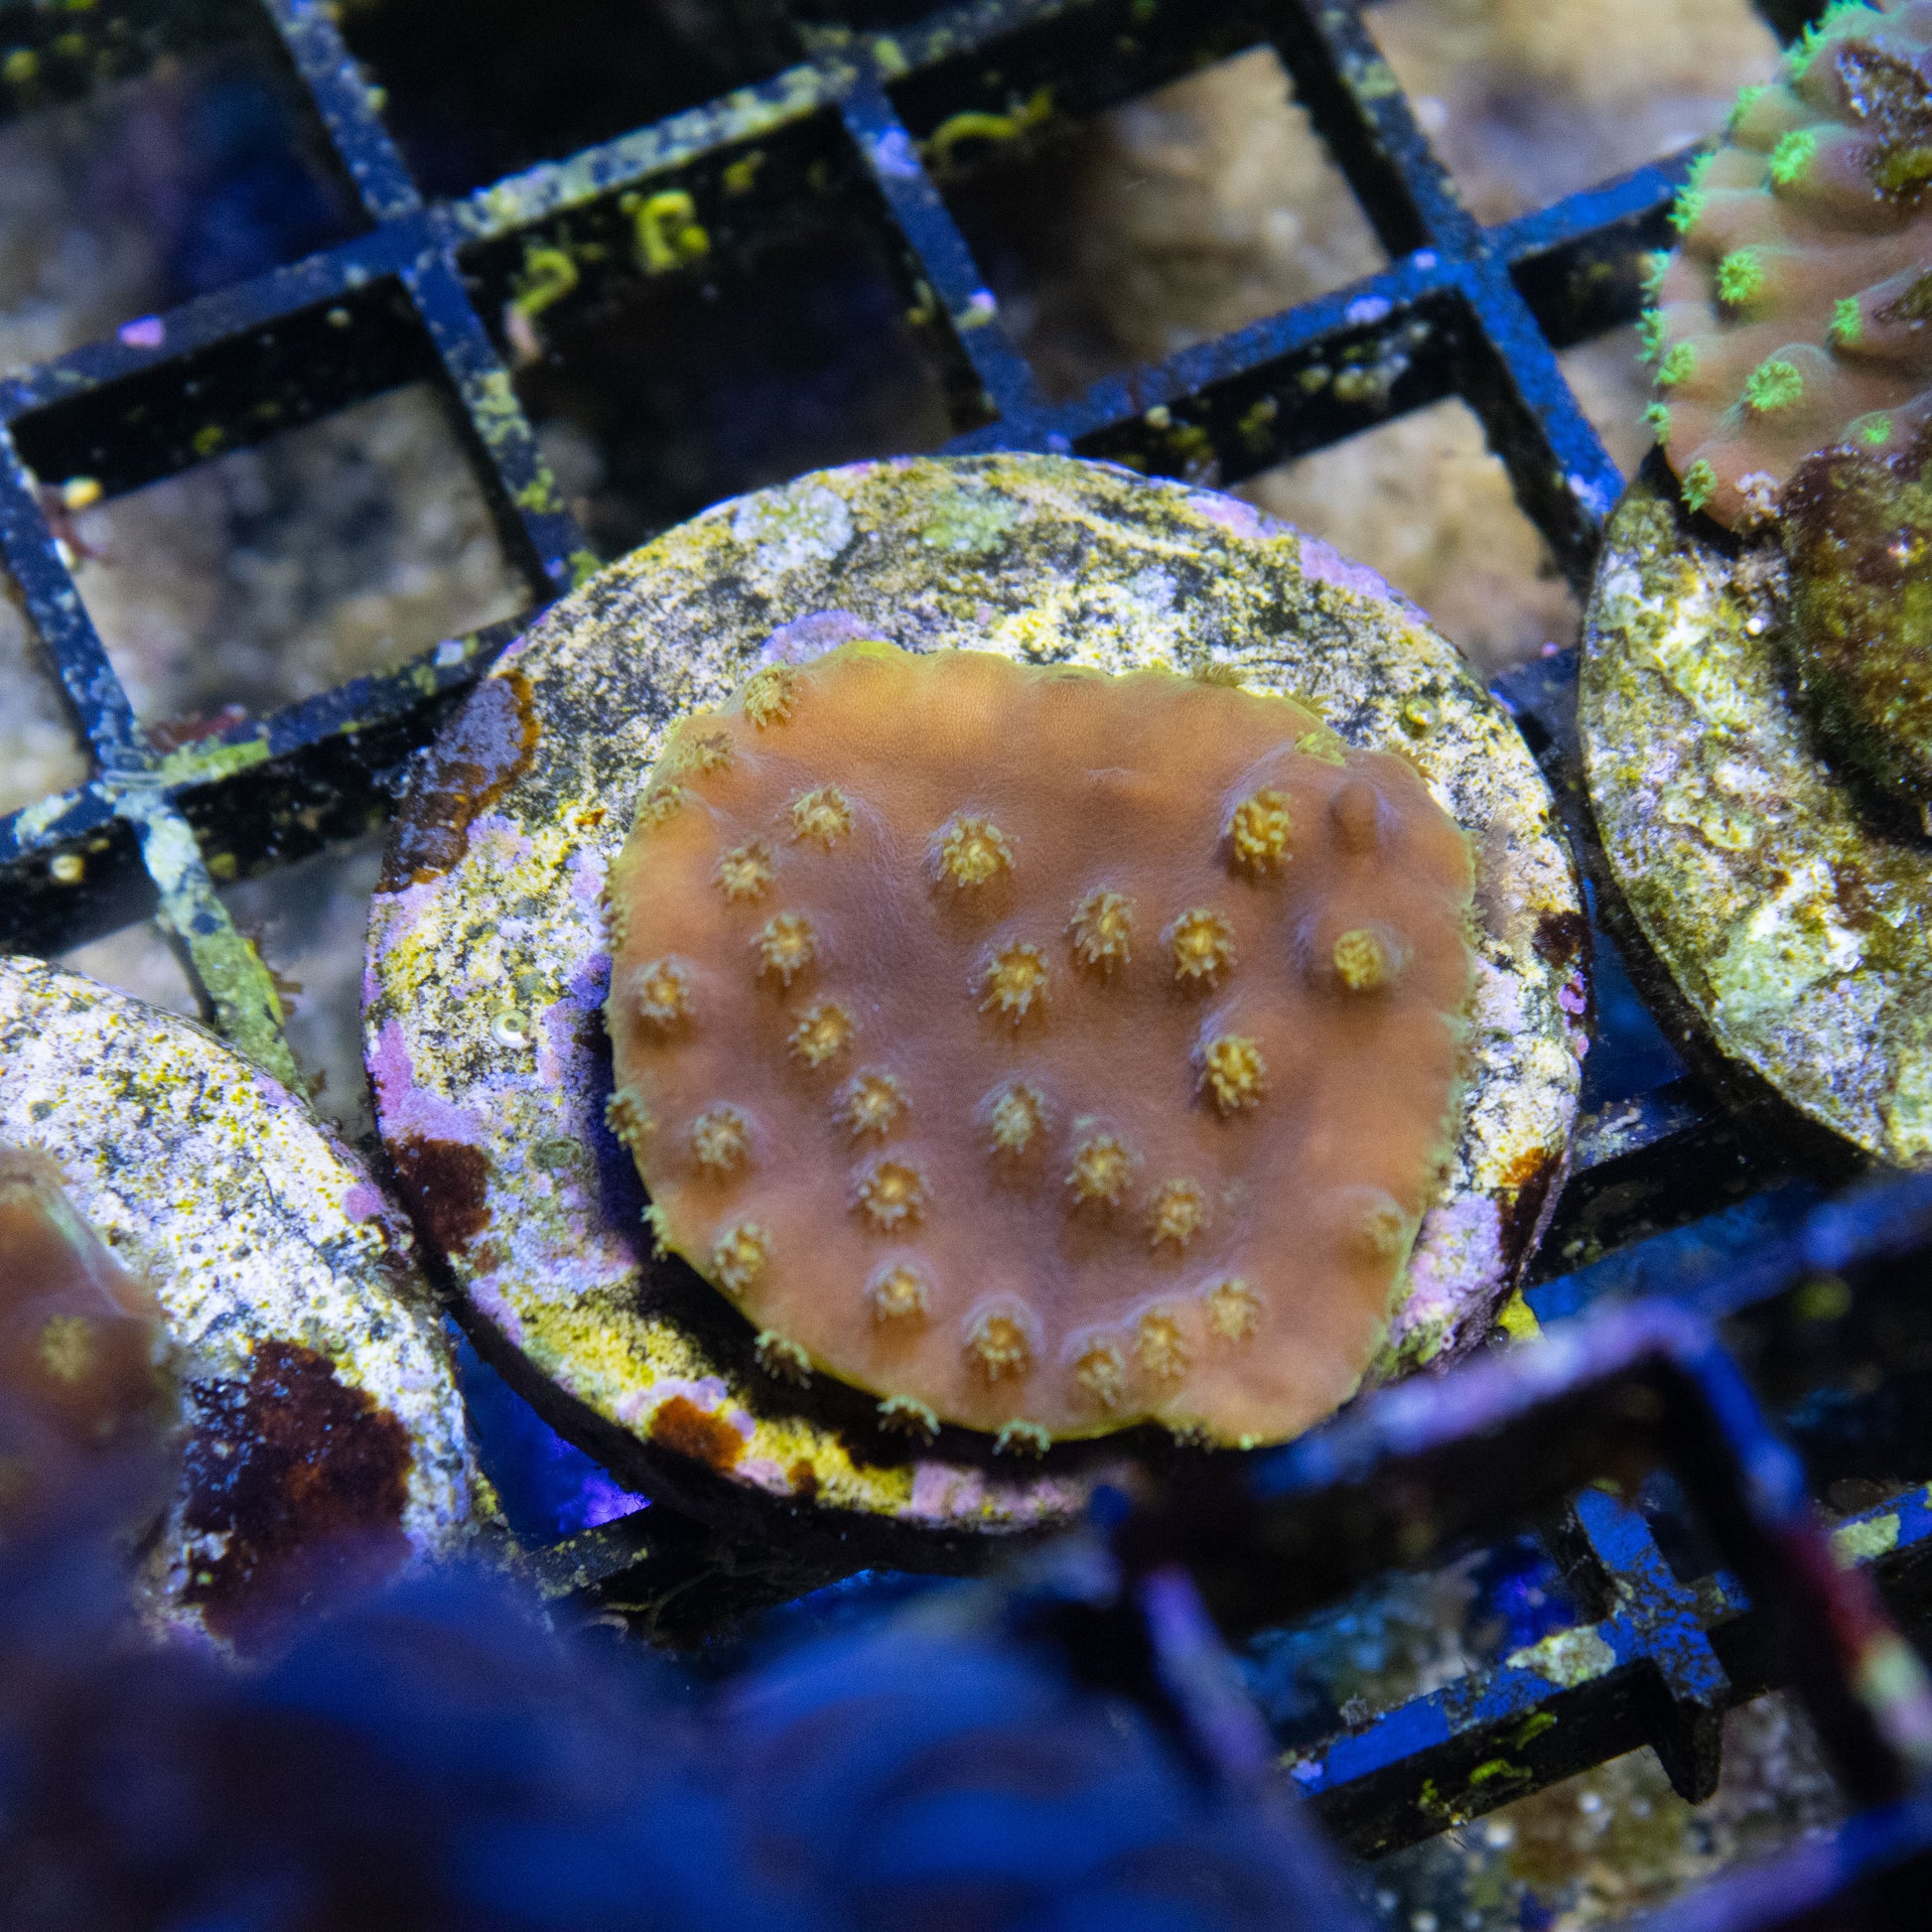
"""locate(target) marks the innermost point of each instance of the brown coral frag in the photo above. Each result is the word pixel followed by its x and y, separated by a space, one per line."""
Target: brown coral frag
pixel 1127 1032
pixel 1792 317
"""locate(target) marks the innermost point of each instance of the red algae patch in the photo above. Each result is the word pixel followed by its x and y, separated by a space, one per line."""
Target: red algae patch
pixel 1038 1049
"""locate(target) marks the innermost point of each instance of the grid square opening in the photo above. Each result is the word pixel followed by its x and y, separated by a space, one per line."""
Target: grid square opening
pixel 1422 500
pixel 325 553
pixel 770 352
pixel 41 753
pixel 144 166
pixel 475 89
pixel 1167 220
pixel 1612 387
pixel 1529 100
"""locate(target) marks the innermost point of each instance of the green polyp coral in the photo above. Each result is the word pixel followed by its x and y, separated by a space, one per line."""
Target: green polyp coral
pixel 1740 276
pixel 1773 384
pixel 1650 335
pixel 1700 480
pixel 1656 265
pixel 1657 415
pixel 1795 286
pixel 1678 366
pixel 1792 155
pixel 1690 197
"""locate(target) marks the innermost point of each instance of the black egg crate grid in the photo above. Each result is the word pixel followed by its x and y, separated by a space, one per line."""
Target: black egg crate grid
pixel 1463 310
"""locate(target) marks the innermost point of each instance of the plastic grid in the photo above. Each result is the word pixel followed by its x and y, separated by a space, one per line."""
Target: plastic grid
pixel 1478 311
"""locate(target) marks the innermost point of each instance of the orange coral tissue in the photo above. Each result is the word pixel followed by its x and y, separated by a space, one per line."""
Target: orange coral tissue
pixel 1085 1054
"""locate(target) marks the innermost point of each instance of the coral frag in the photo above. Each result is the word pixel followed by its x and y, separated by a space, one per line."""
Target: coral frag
pixel 1791 318
pixel 1038 1049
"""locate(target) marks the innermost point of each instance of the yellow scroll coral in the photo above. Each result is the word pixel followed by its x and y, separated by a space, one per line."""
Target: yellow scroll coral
pixel 1035 1048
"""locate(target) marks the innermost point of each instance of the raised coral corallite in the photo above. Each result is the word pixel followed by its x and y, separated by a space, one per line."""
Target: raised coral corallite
pixel 1007 1070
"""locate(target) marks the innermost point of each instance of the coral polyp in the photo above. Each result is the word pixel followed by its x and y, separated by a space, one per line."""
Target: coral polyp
pixel 1102 928
pixel 872 1103
pixel 1260 829
pixel 1041 1118
pixel 972 851
pixel 788 945
pixel 1202 945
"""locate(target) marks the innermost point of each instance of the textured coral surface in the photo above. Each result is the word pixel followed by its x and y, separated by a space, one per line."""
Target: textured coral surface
pixel 1792 317
pixel 1040 1049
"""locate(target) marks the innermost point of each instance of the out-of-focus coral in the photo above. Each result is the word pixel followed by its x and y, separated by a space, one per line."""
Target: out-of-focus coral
pixel 435 1757
pixel 1792 316
pixel 1040 1050
pixel 84 1359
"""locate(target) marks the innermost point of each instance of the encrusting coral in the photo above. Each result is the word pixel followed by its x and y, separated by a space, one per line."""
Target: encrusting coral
pixel 1792 316
pixel 1111 1062
pixel 1108 1053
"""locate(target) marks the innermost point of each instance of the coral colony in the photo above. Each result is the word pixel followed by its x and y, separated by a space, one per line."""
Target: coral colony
pixel 1040 1050
pixel 1791 316
pixel 1794 367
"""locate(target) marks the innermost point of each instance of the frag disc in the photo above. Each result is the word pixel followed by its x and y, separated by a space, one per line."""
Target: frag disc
pixel 1792 921
pixel 254 1226
pixel 487 965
